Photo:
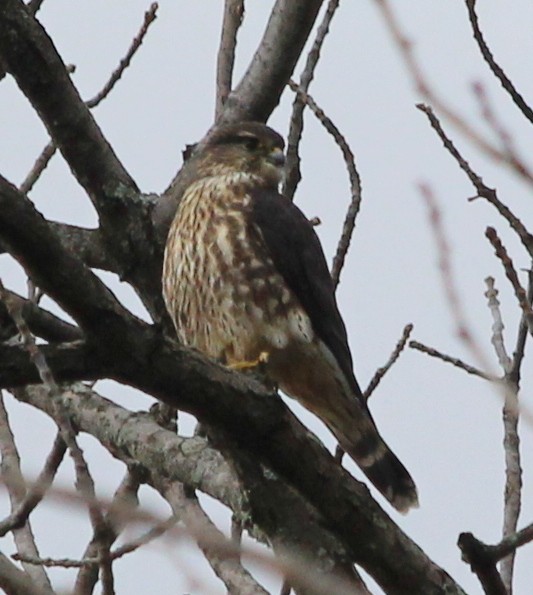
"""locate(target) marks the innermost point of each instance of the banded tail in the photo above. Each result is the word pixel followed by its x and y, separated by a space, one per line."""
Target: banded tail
pixel 376 459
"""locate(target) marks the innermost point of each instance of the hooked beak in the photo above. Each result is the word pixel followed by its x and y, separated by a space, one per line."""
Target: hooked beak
pixel 276 157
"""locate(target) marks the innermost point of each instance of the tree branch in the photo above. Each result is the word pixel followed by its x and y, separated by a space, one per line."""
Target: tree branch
pixel 14 481
pixel 346 503
pixel 493 65
pixel 234 576
pixel 42 323
pixel 68 362
pixel 260 89
pixel 233 15
pixel 355 182
pixel 37 490
pixel 30 56
pixel 292 168
pixel 280 514
pixel 59 273
pixel 243 414
pixel 15 582
pixel 478 555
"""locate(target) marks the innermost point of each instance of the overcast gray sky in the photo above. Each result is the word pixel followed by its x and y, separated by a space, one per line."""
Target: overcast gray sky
pixel 445 426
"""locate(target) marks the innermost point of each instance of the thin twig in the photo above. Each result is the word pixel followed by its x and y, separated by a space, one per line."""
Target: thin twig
pixel 233 16
pixel 210 540
pixel 513 480
pixel 455 361
pixel 292 168
pixel 355 182
pixel 84 481
pixel 511 440
pixel 38 167
pixel 199 526
pixel 512 542
pixel 483 558
pixel 149 17
pixel 48 152
pixel 478 556
pixel 488 114
pixel 518 354
pixel 37 490
pixel 124 502
pixel 420 82
pixel 150 535
pixel 448 280
pixel 493 65
pixel 14 481
pixel 482 189
pixel 510 272
pixel 497 325
pixel 14 581
pixel 380 372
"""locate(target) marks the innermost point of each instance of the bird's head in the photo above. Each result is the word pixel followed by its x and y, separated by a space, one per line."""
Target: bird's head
pixel 247 147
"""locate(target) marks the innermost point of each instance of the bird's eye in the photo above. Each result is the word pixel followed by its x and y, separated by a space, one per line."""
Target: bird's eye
pixel 250 142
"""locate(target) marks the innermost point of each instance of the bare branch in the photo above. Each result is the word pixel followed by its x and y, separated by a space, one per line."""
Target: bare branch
pixel 420 82
pixel 482 190
pixel 260 89
pixel 355 182
pixel 512 542
pixel 483 558
pixel 13 480
pixel 497 326
pixel 37 490
pixel 149 18
pixel 511 440
pixel 510 272
pixel 518 354
pixel 227 567
pixel 84 481
pixel 477 554
pixel 120 510
pixel 380 372
pixel 38 167
pixel 58 273
pixel 233 15
pixel 118 429
pixel 292 167
pixel 493 65
pixel 41 322
pixel 513 479
pixel 284 517
pixel 16 582
pixel 153 533
pixel 30 56
pixel 488 114
pixel 455 361
pixel 448 280
pixel 48 152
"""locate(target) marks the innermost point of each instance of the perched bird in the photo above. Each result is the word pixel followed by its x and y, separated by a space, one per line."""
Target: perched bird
pixel 245 280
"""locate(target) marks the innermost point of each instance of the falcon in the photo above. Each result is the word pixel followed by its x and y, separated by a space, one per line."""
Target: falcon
pixel 245 281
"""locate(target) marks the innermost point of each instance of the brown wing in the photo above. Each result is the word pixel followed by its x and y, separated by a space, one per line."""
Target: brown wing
pixel 298 256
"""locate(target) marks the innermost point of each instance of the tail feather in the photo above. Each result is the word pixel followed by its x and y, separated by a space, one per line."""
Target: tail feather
pixel 389 476
pixel 378 463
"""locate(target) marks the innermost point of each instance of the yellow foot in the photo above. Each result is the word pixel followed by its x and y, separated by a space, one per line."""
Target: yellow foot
pixel 262 359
